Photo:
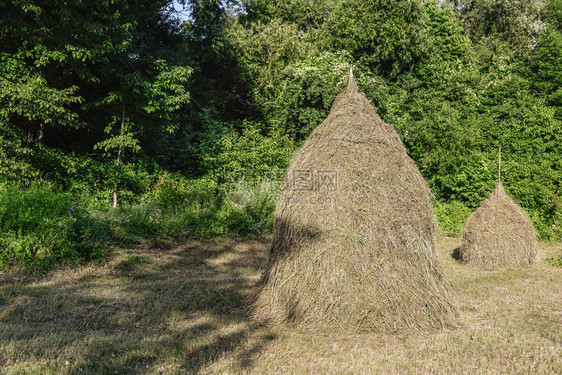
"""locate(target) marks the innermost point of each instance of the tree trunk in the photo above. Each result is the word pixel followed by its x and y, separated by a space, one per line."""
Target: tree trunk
pixel 118 164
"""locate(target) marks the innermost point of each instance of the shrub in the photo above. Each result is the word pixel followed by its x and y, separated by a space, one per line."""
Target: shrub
pixel 451 217
pixel 174 190
pixel 42 228
pixel 241 150
pixel 175 208
pixel 201 208
pixel 186 207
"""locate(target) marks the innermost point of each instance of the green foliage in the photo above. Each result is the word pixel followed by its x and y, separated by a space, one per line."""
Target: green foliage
pixel 123 140
pixel 14 154
pixel 264 49
pixel 547 59
pixel 516 21
pixel 451 217
pixel 447 36
pixel 42 228
pixel 234 150
pixel 25 93
pixel 194 124
pixel 250 205
pixel 453 119
pixel 83 63
pixel 25 161
pixel 178 208
pixel 305 14
pixel 300 99
pixel 556 261
pixel 389 37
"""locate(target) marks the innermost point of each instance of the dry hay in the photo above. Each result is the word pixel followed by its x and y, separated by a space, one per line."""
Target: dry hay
pixel 498 234
pixel 359 256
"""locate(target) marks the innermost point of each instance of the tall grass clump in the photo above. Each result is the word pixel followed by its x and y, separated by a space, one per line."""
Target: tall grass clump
pixel 178 208
pixel 249 206
pixel 41 228
pixel 175 207
pixel 204 208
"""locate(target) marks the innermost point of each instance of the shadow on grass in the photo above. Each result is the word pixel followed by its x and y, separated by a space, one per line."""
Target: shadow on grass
pixel 456 254
pixel 147 311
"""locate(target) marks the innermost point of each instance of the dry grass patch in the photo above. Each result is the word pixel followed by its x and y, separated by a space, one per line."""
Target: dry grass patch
pixel 183 310
pixel 147 311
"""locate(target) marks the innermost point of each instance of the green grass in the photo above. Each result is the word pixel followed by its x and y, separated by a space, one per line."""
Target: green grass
pixel 157 308
pixel 43 228
pixel 179 209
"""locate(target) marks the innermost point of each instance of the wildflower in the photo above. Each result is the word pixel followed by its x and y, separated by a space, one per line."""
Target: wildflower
pixel 157 212
pixel 72 207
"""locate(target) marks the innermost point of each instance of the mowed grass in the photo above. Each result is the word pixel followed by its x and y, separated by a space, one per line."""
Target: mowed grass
pixel 159 310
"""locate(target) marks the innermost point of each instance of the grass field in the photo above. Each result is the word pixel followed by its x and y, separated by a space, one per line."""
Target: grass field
pixel 156 309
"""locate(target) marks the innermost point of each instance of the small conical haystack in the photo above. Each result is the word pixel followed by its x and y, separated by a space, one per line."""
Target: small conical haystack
pixel 354 239
pixel 498 234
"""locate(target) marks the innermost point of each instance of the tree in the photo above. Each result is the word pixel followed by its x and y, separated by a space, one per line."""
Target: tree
pixel 83 64
pixel 160 98
pixel 388 36
pixel 519 22
pixel 547 59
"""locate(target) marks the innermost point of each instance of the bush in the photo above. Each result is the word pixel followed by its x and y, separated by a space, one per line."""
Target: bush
pixel 203 208
pixel 175 208
pixel 451 217
pixel 178 208
pixel 186 207
pixel 42 228
pixel 241 150
pixel 174 190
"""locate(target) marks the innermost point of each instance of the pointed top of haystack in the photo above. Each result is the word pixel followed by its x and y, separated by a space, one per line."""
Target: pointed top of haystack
pixel 351 86
pixel 499 191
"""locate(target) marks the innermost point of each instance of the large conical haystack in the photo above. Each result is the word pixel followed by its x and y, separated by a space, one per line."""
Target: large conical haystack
pixel 354 240
pixel 498 234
